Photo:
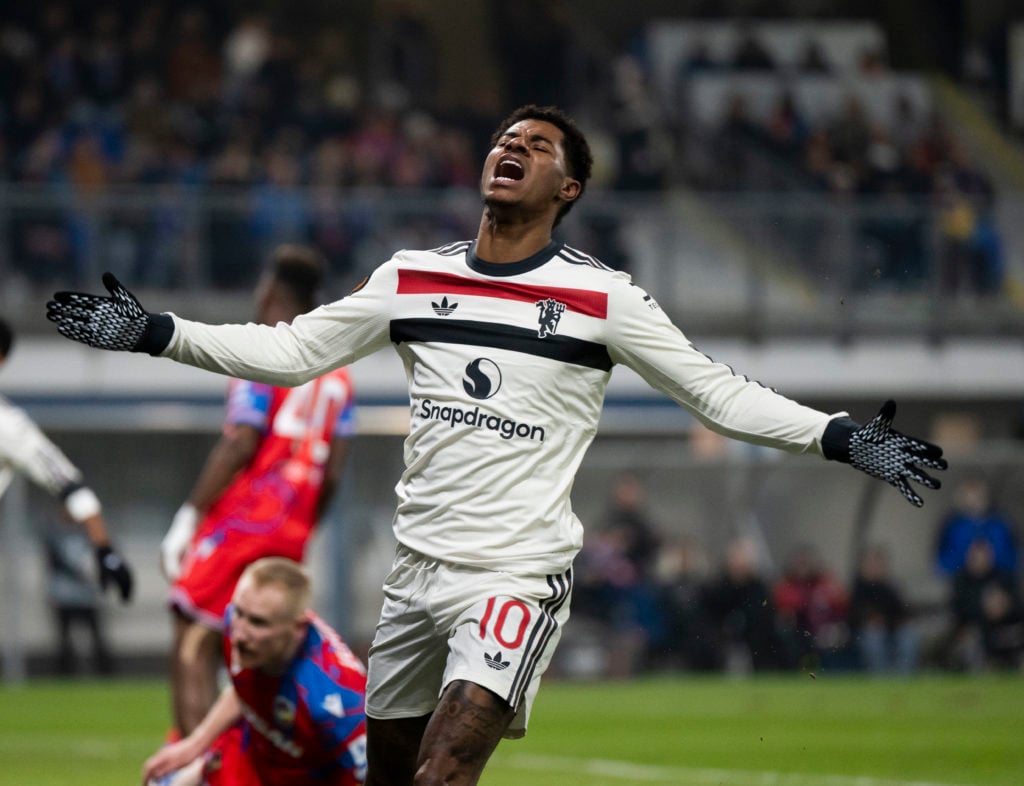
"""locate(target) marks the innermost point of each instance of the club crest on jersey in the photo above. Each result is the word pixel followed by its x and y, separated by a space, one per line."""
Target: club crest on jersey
pixel 551 311
pixel 284 712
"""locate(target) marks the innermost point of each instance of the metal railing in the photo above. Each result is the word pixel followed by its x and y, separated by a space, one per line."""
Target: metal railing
pixel 753 265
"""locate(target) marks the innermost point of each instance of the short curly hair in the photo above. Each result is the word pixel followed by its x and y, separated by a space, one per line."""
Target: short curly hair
pixel 577 149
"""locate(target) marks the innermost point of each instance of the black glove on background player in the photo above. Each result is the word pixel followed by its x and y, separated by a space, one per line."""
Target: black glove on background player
pixel 113 570
pixel 882 452
pixel 118 322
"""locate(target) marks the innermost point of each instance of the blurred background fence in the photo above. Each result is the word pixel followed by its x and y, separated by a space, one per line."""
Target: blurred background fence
pixel 752 265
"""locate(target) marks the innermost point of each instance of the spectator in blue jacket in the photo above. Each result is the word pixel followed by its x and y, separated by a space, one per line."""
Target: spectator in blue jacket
pixel 974 517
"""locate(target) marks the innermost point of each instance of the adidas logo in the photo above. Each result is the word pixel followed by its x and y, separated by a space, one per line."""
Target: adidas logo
pixel 495 661
pixel 444 308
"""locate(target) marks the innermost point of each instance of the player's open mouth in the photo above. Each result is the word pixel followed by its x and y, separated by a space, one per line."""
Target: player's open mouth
pixel 508 170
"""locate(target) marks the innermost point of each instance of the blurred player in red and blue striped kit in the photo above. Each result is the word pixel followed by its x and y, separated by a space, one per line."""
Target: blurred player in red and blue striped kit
pixel 294 711
pixel 261 492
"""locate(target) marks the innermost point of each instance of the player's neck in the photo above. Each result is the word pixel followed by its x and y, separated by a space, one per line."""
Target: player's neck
pixel 502 241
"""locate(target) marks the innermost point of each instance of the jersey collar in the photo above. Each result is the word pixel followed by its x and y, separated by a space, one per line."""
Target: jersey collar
pixel 511 268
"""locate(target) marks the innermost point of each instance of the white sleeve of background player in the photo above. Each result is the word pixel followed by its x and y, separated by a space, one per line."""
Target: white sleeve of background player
pixel 24 447
pixel 642 337
pixel 286 355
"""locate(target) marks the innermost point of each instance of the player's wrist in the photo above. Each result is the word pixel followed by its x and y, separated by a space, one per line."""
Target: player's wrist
pixel 157 335
pixel 835 441
pixel 185 519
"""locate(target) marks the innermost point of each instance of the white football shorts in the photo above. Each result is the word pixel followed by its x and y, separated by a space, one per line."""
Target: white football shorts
pixel 443 622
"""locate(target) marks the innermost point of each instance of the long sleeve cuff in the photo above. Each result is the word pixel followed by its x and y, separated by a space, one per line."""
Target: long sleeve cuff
pixel 157 335
pixel 835 442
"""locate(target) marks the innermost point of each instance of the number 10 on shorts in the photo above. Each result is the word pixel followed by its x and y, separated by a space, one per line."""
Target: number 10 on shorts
pixel 510 621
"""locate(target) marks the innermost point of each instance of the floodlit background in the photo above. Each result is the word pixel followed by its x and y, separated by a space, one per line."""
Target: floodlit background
pixel 825 195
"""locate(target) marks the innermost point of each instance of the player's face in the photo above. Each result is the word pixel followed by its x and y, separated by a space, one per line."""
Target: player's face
pixel 527 168
pixel 264 627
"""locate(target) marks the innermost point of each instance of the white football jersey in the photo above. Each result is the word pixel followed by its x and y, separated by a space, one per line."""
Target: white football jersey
pixel 507 366
pixel 23 447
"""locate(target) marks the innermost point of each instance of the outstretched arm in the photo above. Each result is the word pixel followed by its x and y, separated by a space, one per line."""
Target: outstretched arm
pixel 288 355
pixel 643 338
pixel 25 448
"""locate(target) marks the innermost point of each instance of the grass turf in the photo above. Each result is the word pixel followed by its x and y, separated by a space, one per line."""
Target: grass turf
pixel 783 731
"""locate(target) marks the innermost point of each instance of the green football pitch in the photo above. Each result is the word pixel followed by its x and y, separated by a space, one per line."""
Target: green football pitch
pixel 780 731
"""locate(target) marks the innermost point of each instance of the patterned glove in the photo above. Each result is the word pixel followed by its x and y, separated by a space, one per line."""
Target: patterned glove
pixel 880 451
pixel 118 322
pixel 114 570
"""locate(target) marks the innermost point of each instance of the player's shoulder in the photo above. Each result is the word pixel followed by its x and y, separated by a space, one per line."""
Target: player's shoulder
pixel 433 256
pixel 14 420
pixel 326 647
pixel 582 259
pixel 582 265
pixel 9 409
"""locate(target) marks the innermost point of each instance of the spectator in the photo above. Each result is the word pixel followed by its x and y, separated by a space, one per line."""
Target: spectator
pixel 616 576
pixel 193 66
pixel 698 60
pixel 957 224
pixel 245 49
pixel 533 40
pixel 643 154
pixel 742 614
pixel 402 54
pixel 879 621
pixel 74 601
pixel 850 132
pixel 811 605
pixel 280 206
pixel 986 630
pixel 1002 629
pixel 973 517
pixel 750 54
pixel 627 514
pixel 688 641
pixel 787 127
pixel 813 60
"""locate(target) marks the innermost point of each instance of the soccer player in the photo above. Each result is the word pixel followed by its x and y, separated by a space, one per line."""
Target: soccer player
pixel 25 449
pixel 293 713
pixel 263 488
pixel 508 342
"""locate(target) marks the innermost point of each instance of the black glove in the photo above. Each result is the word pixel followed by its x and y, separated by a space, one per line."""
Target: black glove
pixel 878 450
pixel 114 570
pixel 117 322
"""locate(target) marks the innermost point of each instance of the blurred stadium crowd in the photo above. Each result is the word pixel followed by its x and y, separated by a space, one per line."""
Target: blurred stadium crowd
pixel 646 599
pixel 210 98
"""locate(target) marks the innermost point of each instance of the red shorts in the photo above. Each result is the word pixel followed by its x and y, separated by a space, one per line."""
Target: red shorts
pixel 220 551
pixel 227 764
